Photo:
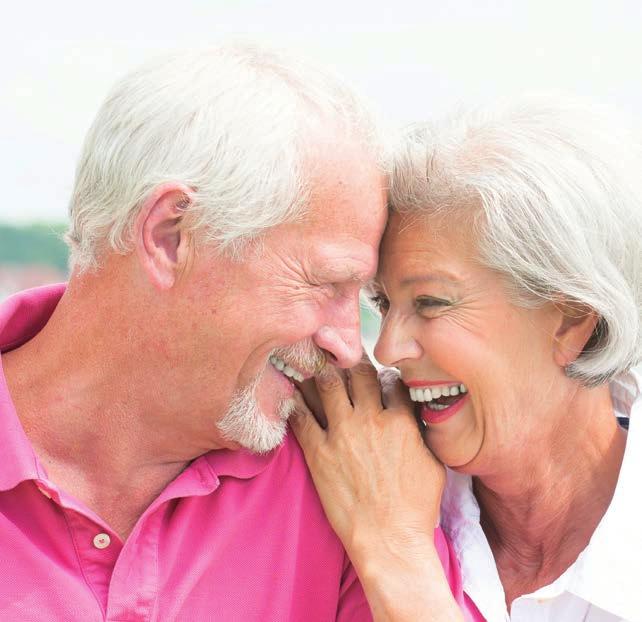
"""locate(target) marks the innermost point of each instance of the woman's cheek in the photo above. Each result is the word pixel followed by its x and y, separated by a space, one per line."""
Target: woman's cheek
pixel 458 442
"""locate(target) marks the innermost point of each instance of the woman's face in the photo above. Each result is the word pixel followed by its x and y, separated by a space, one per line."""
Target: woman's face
pixel 449 327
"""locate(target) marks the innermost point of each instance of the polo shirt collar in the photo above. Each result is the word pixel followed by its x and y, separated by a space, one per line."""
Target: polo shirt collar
pixel 240 463
pixel 19 461
pixel 21 317
pixel 25 314
pixel 609 568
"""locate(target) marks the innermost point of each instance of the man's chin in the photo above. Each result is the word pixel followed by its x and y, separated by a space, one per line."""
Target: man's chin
pixel 279 411
pixel 269 434
pixel 248 425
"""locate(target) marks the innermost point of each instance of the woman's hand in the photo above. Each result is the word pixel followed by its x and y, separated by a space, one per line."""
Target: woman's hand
pixel 370 465
pixel 380 487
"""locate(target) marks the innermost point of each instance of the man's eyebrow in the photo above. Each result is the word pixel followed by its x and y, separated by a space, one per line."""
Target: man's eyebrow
pixel 341 273
pixel 360 278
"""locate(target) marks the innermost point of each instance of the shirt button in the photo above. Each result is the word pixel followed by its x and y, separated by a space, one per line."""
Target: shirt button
pixel 102 541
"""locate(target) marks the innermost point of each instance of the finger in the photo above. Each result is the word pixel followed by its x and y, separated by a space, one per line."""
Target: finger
pixel 333 394
pixel 395 393
pixel 313 401
pixel 364 386
pixel 305 427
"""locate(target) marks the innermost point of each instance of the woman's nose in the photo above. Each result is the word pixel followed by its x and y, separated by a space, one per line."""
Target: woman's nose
pixel 395 344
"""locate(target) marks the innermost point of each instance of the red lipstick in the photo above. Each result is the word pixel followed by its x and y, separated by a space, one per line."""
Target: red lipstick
pixel 439 416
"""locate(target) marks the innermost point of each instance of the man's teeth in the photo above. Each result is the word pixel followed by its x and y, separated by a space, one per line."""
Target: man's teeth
pixel 427 394
pixel 286 369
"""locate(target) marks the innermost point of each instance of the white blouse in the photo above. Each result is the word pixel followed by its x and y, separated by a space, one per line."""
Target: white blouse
pixel 604 584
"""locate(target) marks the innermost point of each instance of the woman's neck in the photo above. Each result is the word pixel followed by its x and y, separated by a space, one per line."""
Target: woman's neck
pixel 541 514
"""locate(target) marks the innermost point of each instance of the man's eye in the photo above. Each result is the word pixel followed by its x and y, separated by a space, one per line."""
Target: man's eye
pixel 381 303
pixel 327 289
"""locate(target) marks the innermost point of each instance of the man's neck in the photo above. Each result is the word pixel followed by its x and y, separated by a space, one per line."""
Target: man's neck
pixel 542 514
pixel 97 414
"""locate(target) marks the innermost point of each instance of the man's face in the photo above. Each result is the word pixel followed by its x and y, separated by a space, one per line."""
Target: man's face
pixel 290 304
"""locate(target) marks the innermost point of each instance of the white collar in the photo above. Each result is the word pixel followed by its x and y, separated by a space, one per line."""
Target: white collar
pixel 608 573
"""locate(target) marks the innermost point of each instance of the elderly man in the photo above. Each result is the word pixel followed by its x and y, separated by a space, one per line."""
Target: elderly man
pixel 227 207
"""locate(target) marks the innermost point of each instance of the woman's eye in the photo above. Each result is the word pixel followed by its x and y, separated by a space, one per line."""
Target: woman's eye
pixel 380 302
pixel 425 303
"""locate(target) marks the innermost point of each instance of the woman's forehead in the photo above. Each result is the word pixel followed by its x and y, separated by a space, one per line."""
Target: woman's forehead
pixel 425 237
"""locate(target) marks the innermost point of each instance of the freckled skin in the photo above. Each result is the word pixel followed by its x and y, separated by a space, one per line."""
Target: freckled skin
pixel 149 350
pixel 299 284
pixel 141 357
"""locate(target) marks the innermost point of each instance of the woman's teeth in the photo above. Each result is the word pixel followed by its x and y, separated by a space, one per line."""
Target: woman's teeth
pixel 286 369
pixel 427 394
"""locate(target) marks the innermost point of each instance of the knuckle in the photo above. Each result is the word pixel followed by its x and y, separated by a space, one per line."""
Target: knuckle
pixel 389 374
pixel 320 454
pixel 304 422
pixel 328 380
pixel 389 379
pixel 301 426
pixel 363 368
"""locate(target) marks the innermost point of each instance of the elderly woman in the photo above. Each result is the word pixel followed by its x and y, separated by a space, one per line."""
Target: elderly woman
pixel 510 289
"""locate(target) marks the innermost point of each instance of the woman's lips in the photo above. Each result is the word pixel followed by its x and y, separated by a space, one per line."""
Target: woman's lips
pixel 433 417
pixel 427 383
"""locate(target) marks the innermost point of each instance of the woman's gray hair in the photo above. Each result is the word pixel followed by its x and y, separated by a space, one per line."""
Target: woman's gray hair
pixel 237 124
pixel 554 189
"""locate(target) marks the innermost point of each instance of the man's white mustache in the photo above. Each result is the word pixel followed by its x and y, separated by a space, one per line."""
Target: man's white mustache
pixel 303 356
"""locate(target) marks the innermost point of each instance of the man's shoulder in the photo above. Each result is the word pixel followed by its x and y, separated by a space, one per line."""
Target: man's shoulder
pixel 283 465
pixel 289 460
pixel 25 313
pixel 275 488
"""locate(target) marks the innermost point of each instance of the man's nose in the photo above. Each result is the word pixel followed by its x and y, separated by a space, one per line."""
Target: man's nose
pixel 340 337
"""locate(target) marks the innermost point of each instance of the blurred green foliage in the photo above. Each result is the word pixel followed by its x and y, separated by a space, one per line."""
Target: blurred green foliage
pixel 33 244
pixel 369 323
pixel 42 243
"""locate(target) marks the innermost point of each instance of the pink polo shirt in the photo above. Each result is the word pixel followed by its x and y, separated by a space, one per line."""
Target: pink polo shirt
pixel 235 536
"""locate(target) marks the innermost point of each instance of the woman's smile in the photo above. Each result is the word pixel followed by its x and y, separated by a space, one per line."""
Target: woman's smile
pixel 437 400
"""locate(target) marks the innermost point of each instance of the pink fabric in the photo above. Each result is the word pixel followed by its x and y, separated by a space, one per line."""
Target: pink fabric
pixel 453 575
pixel 234 537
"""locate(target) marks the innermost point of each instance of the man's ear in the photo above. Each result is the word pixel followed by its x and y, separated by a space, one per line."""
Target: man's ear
pixel 162 246
pixel 576 324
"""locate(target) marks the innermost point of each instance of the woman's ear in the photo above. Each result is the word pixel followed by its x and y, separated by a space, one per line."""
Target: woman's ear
pixel 576 324
pixel 162 244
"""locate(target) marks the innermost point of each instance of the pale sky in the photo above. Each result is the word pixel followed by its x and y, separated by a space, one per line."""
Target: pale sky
pixel 414 59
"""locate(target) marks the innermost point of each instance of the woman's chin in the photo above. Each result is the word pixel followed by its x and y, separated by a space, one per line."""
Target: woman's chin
pixel 457 448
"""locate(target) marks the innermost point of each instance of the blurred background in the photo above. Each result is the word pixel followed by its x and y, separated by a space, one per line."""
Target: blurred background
pixel 414 59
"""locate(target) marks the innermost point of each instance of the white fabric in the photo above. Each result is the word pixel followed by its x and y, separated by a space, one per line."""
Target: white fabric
pixel 605 582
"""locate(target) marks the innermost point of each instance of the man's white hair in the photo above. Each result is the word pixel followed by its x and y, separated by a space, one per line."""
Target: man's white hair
pixel 554 190
pixel 236 124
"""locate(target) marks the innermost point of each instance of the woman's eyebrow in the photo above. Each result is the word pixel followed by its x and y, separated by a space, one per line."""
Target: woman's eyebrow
pixel 440 277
